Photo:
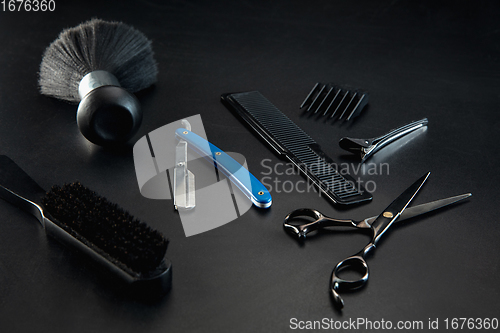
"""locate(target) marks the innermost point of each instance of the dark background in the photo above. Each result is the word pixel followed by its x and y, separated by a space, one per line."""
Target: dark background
pixel 435 59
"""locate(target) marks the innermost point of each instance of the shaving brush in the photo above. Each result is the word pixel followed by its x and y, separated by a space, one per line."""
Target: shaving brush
pixel 99 64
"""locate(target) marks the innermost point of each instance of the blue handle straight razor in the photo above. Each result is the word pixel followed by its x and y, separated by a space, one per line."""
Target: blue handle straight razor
pixel 237 173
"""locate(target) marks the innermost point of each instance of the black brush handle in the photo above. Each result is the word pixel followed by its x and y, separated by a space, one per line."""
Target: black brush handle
pixel 18 188
pixel 109 115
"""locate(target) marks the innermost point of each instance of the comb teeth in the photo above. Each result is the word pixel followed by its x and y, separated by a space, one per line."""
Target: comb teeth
pixel 324 174
pixel 290 140
pixel 334 101
pixel 272 121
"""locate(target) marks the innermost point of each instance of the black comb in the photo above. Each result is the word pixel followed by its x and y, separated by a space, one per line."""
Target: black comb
pixel 298 147
pixel 335 101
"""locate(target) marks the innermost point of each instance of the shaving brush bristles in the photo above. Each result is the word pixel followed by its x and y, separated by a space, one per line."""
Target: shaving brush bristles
pixel 100 64
pixel 97 45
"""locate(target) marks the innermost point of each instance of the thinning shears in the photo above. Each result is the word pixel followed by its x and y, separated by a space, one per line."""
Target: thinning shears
pixel 396 211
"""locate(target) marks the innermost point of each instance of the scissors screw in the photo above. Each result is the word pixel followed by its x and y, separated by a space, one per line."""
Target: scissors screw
pixel 218 153
pixel 388 215
pixel 185 132
pixel 261 193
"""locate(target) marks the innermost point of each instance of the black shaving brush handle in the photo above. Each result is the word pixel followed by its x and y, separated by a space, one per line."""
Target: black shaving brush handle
pixel 109 115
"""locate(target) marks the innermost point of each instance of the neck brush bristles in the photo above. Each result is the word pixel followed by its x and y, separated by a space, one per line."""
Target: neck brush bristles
pixel 106 227
pixel 97 45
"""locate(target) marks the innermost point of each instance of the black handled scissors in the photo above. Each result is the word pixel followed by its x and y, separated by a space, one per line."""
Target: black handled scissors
pixel 378 225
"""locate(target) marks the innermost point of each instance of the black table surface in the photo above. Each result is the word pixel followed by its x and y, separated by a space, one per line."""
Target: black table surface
pixel 434 59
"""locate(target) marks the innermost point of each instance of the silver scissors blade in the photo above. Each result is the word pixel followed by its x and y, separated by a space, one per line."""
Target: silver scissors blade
pixel 410 212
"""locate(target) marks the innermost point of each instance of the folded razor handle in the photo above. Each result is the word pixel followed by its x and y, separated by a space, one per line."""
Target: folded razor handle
pixel 367 147
pixel 238 174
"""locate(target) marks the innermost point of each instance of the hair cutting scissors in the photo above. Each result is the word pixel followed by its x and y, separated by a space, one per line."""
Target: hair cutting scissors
pixel 378 225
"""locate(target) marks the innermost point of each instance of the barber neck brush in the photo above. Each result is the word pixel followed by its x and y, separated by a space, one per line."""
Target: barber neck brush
pixel 130 252
pixel 100 64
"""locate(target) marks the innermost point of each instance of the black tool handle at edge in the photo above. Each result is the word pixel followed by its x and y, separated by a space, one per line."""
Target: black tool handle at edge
pixel 16 185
